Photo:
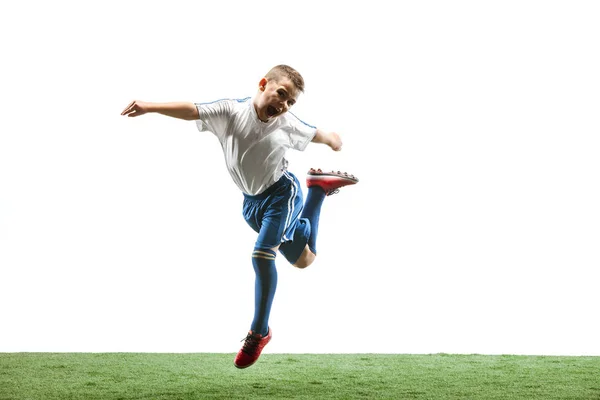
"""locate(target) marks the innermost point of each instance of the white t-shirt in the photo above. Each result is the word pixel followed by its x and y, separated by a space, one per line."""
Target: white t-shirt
pixel 254 150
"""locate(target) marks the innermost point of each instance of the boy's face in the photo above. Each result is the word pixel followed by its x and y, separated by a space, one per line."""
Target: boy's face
pixel 274 98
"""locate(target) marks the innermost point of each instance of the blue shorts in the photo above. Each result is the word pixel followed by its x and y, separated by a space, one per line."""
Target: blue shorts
pixel 275 215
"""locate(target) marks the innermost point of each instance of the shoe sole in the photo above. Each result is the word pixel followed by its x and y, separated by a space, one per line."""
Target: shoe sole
pixel 316 175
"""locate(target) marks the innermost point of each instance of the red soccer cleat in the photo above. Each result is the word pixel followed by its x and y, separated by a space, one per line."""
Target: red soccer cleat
pixel 250 351
pixel 329 181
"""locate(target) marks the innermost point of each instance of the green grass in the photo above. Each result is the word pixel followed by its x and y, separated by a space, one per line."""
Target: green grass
pixel 127 376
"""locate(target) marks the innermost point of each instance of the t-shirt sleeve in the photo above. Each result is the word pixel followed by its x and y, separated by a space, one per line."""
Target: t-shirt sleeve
pixel 213 117
pixel 300 132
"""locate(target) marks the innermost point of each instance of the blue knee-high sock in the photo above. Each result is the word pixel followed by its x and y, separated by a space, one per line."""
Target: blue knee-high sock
pixel 312 211
pixel 264 288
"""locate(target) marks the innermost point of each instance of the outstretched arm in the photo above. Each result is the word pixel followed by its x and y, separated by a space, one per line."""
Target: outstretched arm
pixel 181 110
pixel 331 139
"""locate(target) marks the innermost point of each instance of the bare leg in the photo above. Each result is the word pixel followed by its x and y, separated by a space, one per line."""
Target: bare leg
pixel 306 258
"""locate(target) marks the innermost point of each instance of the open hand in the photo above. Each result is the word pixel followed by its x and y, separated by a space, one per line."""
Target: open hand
pixel 135 109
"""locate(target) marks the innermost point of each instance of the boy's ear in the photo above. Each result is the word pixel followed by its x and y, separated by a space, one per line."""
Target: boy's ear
pixel 262 84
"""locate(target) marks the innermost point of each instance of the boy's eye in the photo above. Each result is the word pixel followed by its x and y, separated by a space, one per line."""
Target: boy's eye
pixel 281 93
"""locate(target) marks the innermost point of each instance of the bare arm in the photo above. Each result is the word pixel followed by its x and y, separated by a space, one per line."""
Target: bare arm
pixel 331 139
pixel 182 110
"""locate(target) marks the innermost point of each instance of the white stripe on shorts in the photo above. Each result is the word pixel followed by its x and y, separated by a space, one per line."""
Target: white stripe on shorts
pixel 290 204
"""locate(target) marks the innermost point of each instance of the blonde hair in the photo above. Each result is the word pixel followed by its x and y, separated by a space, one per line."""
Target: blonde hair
pixel 286 71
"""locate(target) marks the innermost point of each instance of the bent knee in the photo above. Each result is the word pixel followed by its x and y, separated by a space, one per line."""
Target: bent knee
pixel 306 258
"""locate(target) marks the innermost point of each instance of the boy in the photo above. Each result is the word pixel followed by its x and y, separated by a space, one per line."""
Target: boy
pixel 255 135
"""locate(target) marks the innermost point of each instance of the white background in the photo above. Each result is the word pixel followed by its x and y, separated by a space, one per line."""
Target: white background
pixel 473 126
